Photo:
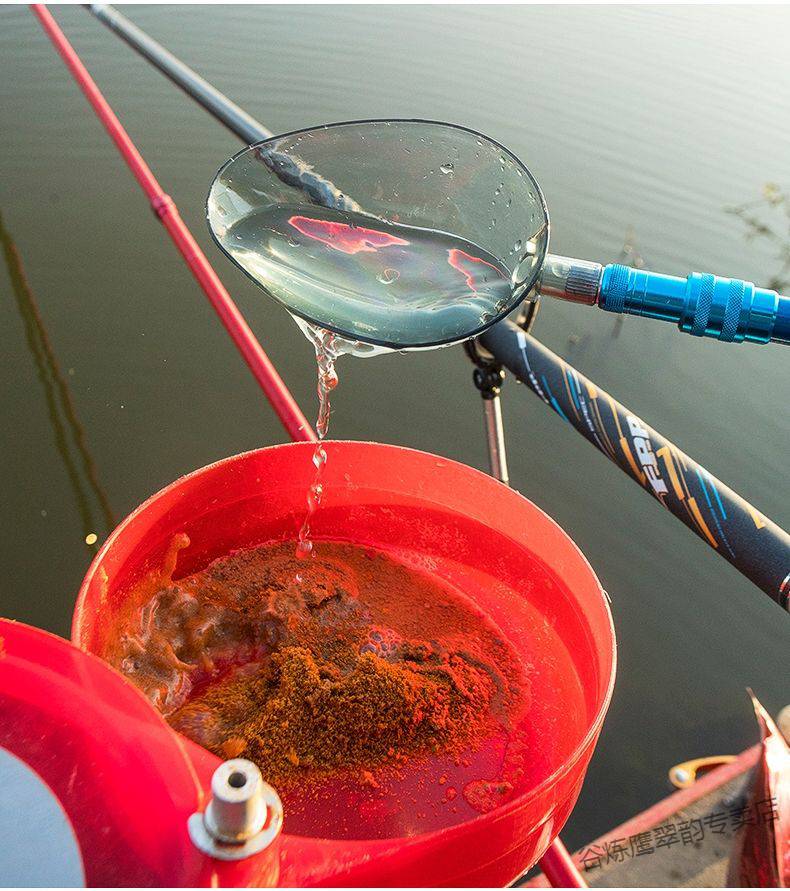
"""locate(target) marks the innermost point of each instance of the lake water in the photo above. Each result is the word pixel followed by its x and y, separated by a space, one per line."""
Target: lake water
pixel 119 378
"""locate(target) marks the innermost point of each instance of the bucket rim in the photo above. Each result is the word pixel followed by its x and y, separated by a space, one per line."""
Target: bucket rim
pixel 504 810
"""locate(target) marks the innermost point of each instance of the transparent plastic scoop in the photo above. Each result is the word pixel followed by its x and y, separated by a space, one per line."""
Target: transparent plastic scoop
pixel 392 234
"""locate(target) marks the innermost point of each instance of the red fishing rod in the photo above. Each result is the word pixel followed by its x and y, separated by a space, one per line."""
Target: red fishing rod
pixel 273 386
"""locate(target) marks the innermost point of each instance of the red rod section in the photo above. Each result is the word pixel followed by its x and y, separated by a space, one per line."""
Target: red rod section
pixel 164 207
pixel 559 868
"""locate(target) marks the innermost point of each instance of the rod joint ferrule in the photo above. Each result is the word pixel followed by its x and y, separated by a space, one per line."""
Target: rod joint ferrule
pixel 568 279
pixel 162 205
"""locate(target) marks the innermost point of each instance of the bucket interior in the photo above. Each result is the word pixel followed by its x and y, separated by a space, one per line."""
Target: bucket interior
pixel 498 551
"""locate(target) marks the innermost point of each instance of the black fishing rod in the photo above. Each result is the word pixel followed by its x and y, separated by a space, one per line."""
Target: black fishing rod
pixel 755 545
pixel 752 543
pixel 223 109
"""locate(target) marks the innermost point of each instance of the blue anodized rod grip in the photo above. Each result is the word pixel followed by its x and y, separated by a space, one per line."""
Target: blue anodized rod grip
pixel 704 305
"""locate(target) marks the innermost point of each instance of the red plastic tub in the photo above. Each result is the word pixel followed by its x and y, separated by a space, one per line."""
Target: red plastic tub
pixel 519 567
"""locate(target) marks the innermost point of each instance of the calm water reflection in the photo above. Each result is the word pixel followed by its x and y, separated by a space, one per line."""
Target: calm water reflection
pixel 115 376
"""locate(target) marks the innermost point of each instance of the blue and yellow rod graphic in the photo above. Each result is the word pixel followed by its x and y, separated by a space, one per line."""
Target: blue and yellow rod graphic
pixel 755 545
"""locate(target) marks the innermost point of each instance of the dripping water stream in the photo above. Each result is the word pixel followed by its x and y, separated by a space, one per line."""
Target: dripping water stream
pixel 327 349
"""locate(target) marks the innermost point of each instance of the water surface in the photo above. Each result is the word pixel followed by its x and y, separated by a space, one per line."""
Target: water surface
pixel 115 377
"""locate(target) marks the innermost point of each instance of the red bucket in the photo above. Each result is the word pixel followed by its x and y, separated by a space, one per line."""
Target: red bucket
pixel 514 562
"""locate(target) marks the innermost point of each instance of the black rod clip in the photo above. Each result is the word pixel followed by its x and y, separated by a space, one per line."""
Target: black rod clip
pixel 488 375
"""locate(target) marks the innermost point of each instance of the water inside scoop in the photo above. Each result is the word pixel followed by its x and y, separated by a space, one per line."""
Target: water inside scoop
pixel 362 277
